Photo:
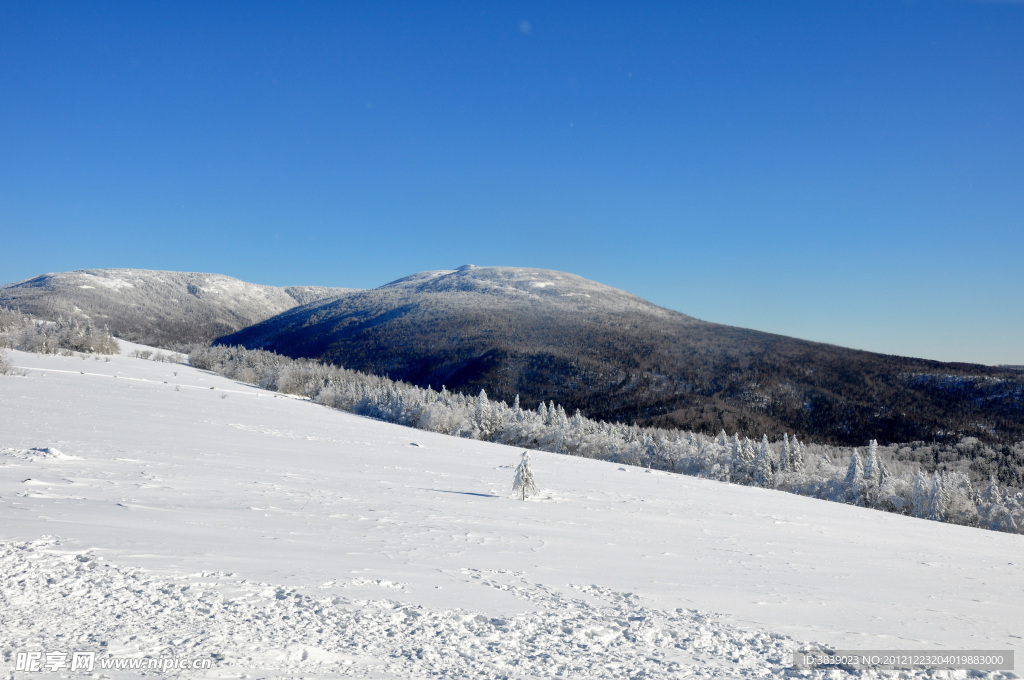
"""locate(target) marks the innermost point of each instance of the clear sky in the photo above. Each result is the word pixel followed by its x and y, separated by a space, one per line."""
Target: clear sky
pixel 849 171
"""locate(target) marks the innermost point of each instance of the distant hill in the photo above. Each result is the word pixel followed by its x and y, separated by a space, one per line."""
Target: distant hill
pixel 548 335
pixel 161 308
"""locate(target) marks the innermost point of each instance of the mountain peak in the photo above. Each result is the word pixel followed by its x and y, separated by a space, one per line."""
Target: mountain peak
pixel 522 285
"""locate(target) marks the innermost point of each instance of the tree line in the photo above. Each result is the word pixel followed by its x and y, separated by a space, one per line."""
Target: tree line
pixel 840 474
pixel 69 334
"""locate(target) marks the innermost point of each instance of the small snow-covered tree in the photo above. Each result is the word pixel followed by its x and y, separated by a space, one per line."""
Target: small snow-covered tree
pixel 747 452
pixel 796 455
pixel 938 502
pixel 992 494
pixel 524 483
pixel 994 512
pixel 784 454
pixel 920 495
pixel 872 473
pixel 764 475
pixel 5 365
pixel 960 499
pixel 873 467
pixel 854 479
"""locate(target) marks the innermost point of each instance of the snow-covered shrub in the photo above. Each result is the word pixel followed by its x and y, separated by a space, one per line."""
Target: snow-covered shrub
pixel 5 364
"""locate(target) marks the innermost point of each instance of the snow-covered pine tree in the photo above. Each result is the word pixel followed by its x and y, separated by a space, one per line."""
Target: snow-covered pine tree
pixel 873 467
pixel 872 474
pixel 764 475
pixel 920 495
pixel 561 425
pixel 649 452
pixel 748 453
pixel 784 454
pixel 994 513
pixel 796 455
pixel 992 495
pixel 524 484
pixel 481 408
pixel 576 425
pixel 938 501
pixel 854 479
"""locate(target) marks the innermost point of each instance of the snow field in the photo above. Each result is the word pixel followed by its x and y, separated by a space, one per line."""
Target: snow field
pixel 285 539
pixel 132 612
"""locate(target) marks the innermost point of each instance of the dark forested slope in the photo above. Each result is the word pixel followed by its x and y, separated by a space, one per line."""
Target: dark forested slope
pixel 549 335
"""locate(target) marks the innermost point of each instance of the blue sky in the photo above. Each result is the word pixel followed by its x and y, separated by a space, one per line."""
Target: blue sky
pixel 849 171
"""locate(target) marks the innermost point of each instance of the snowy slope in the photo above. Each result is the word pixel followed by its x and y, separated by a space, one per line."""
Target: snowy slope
pixel 143 512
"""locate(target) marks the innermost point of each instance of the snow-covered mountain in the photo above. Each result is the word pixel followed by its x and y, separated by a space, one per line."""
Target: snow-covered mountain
pixel 158 307
pixel 548 335
pixel 151 509
pixel 545 290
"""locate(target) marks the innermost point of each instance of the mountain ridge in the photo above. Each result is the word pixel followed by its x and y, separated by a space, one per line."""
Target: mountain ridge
pixel 547 335
pixel 156 307
pixel 552 336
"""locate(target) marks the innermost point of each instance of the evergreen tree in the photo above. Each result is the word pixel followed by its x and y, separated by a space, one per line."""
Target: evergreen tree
pixel 994 512
pixel 764 475
pixel 524 484
pixel 938 501
pixel 576 426
pixel 855 470
pixel 921 493
pixel 559 435
pixel 748 454
pixel 872 474
pixel 481 408
pixel 873 468
pixel 992 494
pixel 796 455
pixel 854 479
pixel 784 454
